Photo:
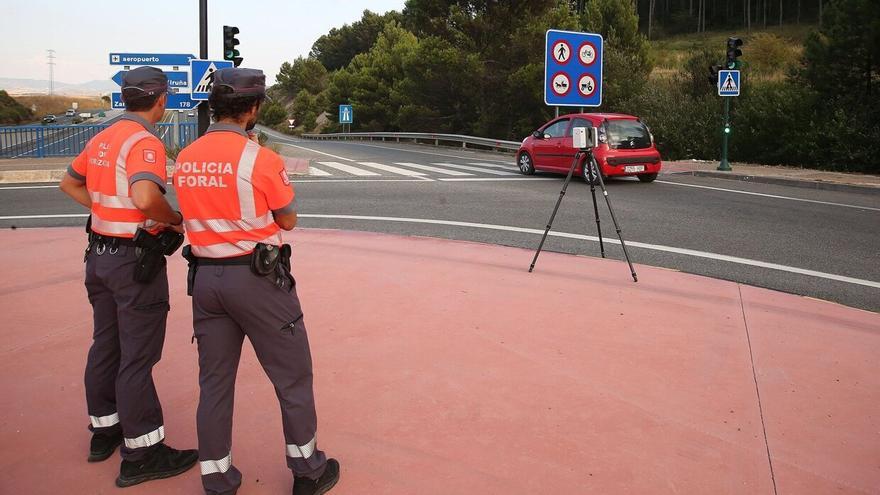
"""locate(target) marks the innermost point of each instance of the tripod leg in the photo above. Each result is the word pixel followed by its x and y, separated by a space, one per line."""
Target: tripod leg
pixel 617 227
pixel 588 164
pixel 555 209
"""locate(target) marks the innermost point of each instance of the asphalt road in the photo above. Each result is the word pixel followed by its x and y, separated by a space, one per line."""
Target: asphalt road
pixel 822 244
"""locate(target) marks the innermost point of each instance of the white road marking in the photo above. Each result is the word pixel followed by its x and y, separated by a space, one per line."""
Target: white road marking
pixel 318 172
pixel 434 169
pixel 393 170
pixel 316 151
pixel 348 168
pixel 567 235
pixel 475 169
pixel 341 180
pixel 41 217
pixel 446 155
pixel 494 165
pixel 13 188
pixel 750 193
pixel 495 179
pixel 643 245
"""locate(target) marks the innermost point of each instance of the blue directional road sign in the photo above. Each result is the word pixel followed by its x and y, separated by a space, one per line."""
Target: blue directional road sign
pixel 201 74
pixel 176 79
pixel 573 69
pixel 176 101
pixel 150 58
pixel 728 83
pixel 346 114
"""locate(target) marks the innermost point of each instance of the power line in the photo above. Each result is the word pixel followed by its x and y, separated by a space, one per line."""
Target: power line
pixel 51 62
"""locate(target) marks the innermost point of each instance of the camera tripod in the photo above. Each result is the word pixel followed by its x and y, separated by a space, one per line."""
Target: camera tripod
pixel 592 167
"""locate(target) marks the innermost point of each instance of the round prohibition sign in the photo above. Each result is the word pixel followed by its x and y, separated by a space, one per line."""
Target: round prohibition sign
pixel 586 85
pixel 587 53
pixel 560 84
pixel 561 52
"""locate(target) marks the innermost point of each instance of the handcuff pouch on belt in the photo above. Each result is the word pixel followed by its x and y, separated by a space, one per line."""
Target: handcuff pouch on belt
pixel 151 252
pixel 268 259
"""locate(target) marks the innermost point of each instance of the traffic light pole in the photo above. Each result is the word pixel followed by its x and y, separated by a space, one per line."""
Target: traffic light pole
pixel 725 133
pixel 204 117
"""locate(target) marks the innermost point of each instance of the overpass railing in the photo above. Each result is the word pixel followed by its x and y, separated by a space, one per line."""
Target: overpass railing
pixel 38 141
pixel 421 137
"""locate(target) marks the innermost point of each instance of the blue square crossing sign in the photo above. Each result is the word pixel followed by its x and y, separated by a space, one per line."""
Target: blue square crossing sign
pixel 728 83
pixel 201 76
pixel 573 69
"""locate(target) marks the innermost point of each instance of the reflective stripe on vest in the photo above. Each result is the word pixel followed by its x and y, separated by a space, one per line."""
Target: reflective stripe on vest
pixel 115 222
pixel 247 224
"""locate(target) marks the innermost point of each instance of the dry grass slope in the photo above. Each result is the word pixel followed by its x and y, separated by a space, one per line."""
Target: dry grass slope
pixel 57 104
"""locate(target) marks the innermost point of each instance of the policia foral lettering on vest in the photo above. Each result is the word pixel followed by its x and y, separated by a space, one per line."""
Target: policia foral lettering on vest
pixel 120 176
pixel 236 197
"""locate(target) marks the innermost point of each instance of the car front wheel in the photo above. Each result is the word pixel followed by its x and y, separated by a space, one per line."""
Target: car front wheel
pixel 526 167
pixel 647 177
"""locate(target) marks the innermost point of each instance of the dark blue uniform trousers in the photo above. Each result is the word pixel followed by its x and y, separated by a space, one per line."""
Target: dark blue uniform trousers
pixel 129 332
pixel 229 303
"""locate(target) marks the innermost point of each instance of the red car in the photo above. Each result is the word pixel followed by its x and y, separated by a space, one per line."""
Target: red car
pixel 626 147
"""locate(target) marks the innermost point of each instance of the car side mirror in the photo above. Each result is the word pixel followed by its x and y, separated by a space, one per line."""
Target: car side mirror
pixel 538 135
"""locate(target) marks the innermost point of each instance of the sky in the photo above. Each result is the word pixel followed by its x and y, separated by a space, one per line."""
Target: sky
pixel 83 33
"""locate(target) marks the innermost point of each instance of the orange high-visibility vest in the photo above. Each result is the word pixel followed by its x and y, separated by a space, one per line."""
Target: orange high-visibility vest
pixel 227 187
pixel 111 162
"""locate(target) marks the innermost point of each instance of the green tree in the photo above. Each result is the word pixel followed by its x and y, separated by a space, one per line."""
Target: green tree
pixel 337 48
pixel 272 114
pixel 303 73
pixel 11 111
pixel 627 63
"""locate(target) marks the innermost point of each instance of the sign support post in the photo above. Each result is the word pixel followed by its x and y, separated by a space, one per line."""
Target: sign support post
pixel 204 117
pixel 725 165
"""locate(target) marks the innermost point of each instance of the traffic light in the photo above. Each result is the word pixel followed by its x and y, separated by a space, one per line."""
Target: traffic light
pixel 733 52
pixel 229 42
pixel 713 73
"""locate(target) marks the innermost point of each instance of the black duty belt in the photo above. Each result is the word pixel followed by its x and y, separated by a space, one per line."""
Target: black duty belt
pixel 110 241
pixel 235 260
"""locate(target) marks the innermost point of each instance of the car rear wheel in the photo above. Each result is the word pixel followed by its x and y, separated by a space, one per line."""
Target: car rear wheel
pixel 586 176
pixel 526 167
pixel 647 177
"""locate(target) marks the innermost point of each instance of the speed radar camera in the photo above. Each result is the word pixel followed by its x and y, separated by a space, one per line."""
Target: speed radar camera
pixel 584 138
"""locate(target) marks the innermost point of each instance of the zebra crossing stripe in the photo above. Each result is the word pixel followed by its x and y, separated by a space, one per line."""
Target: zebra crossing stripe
pixel 435 169
pixel 476 169
pixel 348 168
pixel 318 172
pixel 393 170
pixel 493 165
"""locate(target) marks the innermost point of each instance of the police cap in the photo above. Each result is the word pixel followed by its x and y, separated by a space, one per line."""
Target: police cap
pixel 233 82
pixel 143 81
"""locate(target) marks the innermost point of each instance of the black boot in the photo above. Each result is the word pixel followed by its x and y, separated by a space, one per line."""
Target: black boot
pixel 306 486
pixel 162 462
pixel 104 443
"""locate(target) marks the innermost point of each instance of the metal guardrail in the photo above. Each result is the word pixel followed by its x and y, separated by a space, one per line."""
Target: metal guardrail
pixel 495 144
pixel 38 141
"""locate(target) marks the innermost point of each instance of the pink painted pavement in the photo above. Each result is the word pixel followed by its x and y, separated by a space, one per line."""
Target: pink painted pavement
pixel 444 367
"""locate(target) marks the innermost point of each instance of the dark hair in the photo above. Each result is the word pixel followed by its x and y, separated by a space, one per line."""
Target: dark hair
pixel 139 103
pixel 233 107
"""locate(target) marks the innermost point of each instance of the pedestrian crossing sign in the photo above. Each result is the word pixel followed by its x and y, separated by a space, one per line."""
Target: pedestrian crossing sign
pixel 201 76
pixel 728 83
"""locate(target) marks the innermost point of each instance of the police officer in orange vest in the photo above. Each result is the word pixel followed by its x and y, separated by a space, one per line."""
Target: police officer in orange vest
pixel 120 176
pixel 236 197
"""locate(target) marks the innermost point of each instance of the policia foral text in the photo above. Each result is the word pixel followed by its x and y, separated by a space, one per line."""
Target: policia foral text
pixel 235 197
pixel 120 176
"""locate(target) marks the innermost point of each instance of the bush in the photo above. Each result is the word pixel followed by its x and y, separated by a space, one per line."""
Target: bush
pixel 272 114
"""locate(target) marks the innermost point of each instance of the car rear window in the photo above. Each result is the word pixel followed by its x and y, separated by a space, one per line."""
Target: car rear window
pixel 628 134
